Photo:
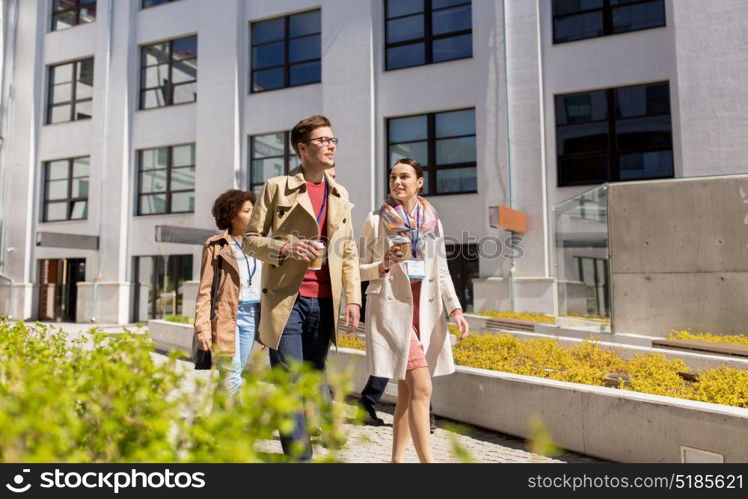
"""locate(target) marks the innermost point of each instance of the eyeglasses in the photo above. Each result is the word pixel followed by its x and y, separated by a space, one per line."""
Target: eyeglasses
pixel 324 141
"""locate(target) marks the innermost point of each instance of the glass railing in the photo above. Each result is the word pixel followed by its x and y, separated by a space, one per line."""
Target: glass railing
pixel 582 255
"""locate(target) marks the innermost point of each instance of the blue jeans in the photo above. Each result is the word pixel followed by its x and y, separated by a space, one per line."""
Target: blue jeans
pixel 246 326
pixel 306 338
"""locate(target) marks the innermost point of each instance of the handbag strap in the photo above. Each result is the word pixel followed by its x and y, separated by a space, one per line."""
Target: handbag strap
pixel 214 288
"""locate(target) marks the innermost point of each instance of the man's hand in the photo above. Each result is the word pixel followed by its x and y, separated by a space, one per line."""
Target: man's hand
pixel 205 344
pixel 352 316
pixel 303 249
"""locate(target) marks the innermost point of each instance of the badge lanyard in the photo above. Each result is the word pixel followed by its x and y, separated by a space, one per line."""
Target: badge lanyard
pixel 324 205
pixel 414 237
pixel 246 260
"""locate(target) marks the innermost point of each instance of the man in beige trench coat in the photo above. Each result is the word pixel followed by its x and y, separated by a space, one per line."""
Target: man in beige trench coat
pixel 299 304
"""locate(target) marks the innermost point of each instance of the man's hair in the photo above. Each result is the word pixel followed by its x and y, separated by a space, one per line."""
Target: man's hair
pixel 227 206
pixel 304 128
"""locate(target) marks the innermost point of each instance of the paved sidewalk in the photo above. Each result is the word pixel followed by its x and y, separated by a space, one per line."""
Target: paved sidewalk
pixel 369 444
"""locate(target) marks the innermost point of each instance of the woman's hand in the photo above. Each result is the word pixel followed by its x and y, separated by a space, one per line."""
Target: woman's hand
pixel 205 344
pixel 462 323
pixel 394 255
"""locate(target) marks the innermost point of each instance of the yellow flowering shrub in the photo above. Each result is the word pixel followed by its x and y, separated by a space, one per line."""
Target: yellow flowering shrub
pixel 738 339
pixel 655 374
pixel 726 385
pixel 587 363
pixel 351 341
pixel 522 316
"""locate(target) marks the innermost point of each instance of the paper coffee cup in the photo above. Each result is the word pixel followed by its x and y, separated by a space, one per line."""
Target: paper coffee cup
pixel 403 243
pixel 316 264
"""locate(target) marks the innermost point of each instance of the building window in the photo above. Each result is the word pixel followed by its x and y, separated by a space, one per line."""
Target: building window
pixel 166 180
pixel 582 19
pixel 270 155
pixel 444 143
pixel 66 189
pixel 286 51
pixel 70 92
pixel 422 32
pixel 168 73
pixel 613 135
pixel 69 13
pixel 159 281
pixel 153 3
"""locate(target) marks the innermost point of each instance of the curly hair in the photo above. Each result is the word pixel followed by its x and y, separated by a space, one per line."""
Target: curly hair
pixel 227 206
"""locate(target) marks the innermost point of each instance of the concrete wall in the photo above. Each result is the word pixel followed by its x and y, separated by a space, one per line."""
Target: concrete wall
pixel 679 255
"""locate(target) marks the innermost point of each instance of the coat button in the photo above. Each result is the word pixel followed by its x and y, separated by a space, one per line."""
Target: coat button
pixel 265 290
pixel 431 279
pixel 344 220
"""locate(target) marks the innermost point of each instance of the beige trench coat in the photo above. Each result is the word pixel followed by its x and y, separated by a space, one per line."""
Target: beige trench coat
pixel 389 308
pixel 222 328
pixel 283 213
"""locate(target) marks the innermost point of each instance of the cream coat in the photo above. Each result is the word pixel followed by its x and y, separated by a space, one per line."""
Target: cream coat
pixel 283 213
pixel 389 308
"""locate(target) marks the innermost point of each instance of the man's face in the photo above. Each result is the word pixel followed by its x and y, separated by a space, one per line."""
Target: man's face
pixel 313 152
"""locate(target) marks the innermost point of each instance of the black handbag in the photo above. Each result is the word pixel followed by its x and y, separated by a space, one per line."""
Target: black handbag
pixel 203 359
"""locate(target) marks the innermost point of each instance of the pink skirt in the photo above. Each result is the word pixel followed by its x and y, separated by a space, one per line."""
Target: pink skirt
pixel 416 357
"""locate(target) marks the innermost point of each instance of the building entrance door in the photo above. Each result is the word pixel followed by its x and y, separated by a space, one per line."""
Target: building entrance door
pixel 58 290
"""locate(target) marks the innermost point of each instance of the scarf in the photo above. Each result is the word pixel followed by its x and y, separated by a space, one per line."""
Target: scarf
pixel 426 221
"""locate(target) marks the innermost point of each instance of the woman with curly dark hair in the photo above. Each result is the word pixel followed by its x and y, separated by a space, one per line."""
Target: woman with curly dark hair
pixel 228 299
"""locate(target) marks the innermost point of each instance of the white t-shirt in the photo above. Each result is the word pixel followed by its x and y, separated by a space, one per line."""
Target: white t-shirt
pixel 247 265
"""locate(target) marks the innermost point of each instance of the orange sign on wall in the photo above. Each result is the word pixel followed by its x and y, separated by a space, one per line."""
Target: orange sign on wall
pixel 506 218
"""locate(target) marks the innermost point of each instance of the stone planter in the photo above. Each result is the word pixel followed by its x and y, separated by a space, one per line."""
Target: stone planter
pixel 603 422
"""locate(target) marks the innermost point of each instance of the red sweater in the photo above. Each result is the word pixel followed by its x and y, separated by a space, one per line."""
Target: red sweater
pixel 316 283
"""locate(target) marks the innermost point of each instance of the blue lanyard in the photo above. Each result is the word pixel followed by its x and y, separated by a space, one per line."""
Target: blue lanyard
pixel 246 260
pixel 413 233
pixel 324 204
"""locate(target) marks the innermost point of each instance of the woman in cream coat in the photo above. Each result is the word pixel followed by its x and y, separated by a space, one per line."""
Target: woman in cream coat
pixel 406 325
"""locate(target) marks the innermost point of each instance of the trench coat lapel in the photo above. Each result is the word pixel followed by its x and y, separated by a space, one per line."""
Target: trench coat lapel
pixel 297 182
pixel 227 253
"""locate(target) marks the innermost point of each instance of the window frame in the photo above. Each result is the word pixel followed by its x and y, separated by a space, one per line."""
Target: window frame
pixel 168 192
pixel 607 13
pixel 428 36
pixel 74 101
pixel 613 153
pixel 143 6
pixel 170 85
pixel 76 8
pixel 69 200
pixel 288 155
pixel 286 40
pixel 431 139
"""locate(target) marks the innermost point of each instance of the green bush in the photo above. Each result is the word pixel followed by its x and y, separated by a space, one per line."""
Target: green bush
pixel 107 398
